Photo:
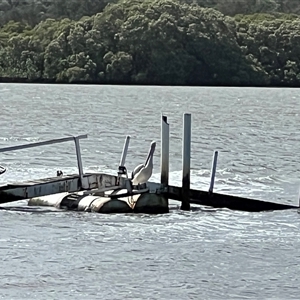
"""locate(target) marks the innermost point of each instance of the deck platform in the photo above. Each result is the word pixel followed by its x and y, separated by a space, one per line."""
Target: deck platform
pixel 53 185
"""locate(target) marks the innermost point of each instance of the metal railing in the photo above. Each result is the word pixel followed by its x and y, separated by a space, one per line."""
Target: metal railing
pixel 50 142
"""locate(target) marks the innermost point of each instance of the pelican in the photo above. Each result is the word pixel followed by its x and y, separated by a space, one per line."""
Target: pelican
pixel 143 172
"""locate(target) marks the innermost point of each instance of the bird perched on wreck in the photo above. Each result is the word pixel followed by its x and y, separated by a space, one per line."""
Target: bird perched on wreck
pixel 142 173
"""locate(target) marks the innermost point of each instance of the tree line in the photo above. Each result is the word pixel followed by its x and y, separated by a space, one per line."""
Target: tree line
pixel 151 42
pixel 33 12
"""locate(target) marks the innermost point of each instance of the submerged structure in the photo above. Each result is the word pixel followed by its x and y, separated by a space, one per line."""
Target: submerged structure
pixel 121 193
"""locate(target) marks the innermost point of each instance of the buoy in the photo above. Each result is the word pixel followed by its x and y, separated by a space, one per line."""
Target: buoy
pixel 50 200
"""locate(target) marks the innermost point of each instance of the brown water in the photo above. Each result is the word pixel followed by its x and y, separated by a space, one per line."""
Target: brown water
pixel 203 254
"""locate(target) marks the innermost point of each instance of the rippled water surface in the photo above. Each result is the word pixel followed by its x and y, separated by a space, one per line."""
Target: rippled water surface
pixel 202 254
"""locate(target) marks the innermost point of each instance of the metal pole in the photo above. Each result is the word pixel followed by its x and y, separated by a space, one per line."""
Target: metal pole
pixel 79 161
pixel 186 161
pixel 124 152
pixel 164 156
pixel 213 172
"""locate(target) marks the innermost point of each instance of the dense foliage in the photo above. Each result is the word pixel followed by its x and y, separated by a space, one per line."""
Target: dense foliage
pixel 233 7
pixel 150 42
pixel 274 42
pixel 34 11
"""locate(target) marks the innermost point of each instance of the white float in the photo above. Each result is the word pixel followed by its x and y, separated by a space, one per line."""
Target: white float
pixel 137 203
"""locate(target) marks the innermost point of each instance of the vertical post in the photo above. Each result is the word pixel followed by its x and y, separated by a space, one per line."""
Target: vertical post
pixel 186 162
pixel 79 161
pixel 213 172
pixel 164 155
pixel 124 152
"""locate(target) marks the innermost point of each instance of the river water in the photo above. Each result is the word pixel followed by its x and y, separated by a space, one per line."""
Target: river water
pixel 202 254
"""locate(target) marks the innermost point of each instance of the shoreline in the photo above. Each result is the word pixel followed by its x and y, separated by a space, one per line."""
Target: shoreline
pixel 53 81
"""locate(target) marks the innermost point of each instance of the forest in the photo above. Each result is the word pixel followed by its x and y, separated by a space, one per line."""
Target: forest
pixel 171 42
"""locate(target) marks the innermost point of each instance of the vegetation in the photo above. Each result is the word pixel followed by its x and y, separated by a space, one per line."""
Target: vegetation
pixel 151 41
pixel 273 41
pixel 33 12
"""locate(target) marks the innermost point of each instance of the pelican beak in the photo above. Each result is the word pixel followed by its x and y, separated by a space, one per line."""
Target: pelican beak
pixel 151 151
pixel 152 147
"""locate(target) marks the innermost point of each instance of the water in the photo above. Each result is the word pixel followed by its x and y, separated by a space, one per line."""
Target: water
pixel 202 254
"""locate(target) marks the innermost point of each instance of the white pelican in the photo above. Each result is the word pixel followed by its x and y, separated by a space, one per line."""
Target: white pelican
pixel 143 172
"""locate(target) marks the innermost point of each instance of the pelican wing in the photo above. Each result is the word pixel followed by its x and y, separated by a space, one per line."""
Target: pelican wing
pixel 143 175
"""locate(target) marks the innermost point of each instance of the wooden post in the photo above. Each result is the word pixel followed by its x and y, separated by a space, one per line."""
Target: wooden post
pixel 164 155
pixel 213 172
pixel 186 162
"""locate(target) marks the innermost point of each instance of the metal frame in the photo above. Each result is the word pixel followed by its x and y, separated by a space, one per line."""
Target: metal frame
pixel 54 141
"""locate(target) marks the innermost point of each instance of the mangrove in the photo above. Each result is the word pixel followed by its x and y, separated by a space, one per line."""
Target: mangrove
pixel 170 42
